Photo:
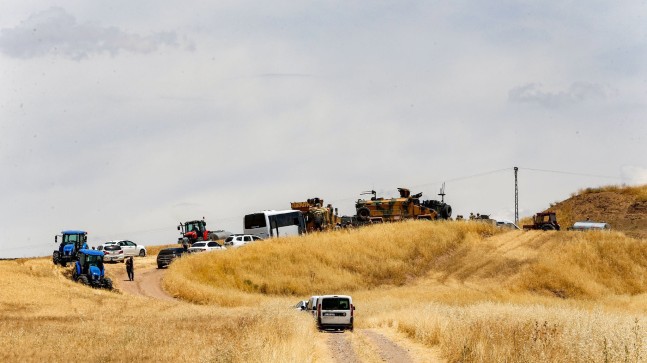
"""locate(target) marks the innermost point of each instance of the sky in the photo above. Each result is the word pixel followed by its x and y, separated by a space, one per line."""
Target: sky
pixel 125 118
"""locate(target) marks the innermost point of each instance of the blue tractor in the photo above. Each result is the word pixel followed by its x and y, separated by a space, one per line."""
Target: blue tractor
pixel 89 269
pixel 71 242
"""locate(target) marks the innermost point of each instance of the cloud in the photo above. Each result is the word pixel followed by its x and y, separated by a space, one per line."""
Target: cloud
pixel 54 31
pixel 578 92
pixel 634 175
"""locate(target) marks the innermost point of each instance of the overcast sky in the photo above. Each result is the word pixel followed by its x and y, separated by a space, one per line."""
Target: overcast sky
pixel 124 118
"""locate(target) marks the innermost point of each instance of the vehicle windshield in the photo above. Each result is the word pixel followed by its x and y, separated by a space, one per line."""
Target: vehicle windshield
pixel 170 251
pixel 199 244
pixel 112 248
pixel 94 260
pixel 194 226
pixel 255 220
pixel 72 238
pixel 335 303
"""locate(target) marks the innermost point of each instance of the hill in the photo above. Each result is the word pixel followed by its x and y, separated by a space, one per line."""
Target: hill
pixel 624 208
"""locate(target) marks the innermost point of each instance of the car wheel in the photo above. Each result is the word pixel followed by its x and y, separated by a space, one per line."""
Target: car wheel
pixel 142 253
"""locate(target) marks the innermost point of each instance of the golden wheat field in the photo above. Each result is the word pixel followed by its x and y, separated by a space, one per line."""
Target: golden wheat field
pixel 471 291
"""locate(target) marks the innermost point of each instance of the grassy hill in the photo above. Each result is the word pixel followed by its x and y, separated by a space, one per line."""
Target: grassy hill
pixel 478 293
pixel 625 208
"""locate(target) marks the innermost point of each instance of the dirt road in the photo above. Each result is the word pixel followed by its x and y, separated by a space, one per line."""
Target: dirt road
pixel 376 345
pixel 148 282
pixel 363 345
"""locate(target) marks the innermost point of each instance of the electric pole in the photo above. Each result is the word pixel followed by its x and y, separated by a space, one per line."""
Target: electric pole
pixel 516 197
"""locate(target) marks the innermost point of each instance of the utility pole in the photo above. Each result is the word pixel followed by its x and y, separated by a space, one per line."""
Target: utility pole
pixel 516 197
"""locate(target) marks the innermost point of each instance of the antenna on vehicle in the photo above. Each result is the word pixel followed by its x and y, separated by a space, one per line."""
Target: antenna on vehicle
pixel 369 192
pixel 442 193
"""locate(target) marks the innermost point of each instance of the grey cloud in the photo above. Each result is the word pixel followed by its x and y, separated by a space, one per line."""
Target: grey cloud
pixel 54 31
pixel 578 92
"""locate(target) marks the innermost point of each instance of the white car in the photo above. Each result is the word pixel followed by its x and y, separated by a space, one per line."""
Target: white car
pixel 130 248
pixel 205 246
pixel 335 312
pixel 237 240
pixel 112 253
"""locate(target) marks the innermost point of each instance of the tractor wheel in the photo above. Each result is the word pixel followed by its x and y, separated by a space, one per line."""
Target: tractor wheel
pixel 56 258
pixel 363 214
pixel 142 253
pixel 107 283
pixel 64 263
pixel 548 227
pixel 84 280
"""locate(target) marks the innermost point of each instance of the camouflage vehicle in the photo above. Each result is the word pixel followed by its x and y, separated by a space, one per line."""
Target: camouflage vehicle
pixel 377 210
pixel 317 217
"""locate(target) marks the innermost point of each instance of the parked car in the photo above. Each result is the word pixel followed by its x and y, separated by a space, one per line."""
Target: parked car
pixel 206 246
pixel 301 305
pixel 335 312
pixel 237 240
pixel 113 253
pixel 130 248
pixel 168 255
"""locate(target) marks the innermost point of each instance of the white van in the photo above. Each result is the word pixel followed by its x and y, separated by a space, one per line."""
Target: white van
pixel 335 312
pixel 311 307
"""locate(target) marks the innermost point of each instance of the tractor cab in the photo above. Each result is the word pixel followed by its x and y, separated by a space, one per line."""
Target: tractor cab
pixel 193 231
pixel 89 269
pixel 71 242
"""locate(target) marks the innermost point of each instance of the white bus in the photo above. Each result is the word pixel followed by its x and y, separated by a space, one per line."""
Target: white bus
pixel 275 223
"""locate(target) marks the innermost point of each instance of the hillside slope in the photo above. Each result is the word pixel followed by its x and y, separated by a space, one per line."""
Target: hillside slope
pixel 625 208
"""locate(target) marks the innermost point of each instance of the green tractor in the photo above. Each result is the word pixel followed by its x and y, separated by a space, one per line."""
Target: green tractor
pixel 89 269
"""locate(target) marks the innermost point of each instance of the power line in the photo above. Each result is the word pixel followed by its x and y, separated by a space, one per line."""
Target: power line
pixel 572 173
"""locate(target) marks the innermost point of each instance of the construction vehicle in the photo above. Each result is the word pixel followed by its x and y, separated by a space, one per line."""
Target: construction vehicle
pixel 545 221
pixel 194 231
pixel 71 242
pixel 377 210
pixel 89 269
pixel 316 216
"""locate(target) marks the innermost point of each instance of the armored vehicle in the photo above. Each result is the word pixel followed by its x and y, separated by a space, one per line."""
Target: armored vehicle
pixel 408 206
pixel 71 242
pixel 317 217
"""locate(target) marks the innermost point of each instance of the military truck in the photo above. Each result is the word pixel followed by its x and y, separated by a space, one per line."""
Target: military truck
pixel 316 216
pixel 408 206
pixel 71 242
pixel 194 231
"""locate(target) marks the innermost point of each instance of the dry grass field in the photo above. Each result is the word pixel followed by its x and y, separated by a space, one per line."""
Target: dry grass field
pixel 472 292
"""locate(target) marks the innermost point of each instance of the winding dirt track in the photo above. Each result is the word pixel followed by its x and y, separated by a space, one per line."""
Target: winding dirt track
pixel 148 282
pixel 364 345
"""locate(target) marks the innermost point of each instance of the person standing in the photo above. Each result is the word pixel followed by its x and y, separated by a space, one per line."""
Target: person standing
pixel 130 268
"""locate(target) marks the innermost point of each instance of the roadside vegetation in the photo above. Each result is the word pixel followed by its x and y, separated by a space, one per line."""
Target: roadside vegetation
pixel 477 293
pixel 48 318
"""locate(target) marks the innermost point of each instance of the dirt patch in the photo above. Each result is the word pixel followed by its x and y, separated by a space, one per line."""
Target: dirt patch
pixel 341 348
pixel 387 349
pixel 148 282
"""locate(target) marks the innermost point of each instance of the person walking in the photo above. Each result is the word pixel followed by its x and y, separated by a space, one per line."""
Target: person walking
pixel 130 268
